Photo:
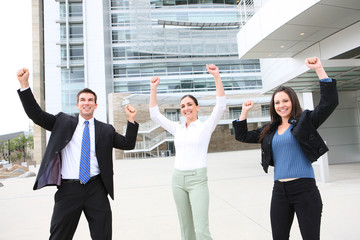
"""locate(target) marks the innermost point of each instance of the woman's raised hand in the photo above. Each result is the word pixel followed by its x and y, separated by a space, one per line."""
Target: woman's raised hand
pixel 247 105
pixel 213 70
pixel 313 63
pixel 154 81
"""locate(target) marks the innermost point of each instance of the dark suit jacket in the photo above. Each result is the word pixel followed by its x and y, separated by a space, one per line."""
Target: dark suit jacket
pixel 62 127
pixel 304 128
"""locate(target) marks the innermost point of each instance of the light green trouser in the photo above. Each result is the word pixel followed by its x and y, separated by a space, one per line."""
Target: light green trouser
pixel 191 196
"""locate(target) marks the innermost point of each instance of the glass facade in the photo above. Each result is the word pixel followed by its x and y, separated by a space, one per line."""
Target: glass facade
pixel 265 110
pixel 72 54
pixel 175 40
pixel 235 112
pixel 75 32
pixel 72 81
pixel 186 3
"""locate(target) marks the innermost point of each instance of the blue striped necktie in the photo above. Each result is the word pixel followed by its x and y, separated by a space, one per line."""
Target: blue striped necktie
pixel 84 173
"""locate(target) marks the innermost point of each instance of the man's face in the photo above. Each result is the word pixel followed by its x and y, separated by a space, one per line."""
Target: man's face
pixel 86 105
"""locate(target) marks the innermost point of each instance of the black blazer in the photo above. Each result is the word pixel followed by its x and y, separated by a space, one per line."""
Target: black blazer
pixel 62 127
pixel 304 128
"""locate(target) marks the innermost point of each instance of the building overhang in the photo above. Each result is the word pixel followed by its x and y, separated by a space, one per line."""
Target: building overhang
pixel 282 28
pixel 298 29
pixel 346 73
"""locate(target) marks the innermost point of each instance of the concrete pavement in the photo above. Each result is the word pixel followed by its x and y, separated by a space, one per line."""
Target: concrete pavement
pixel 144 209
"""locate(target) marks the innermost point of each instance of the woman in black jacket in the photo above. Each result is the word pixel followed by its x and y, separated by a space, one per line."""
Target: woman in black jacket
pixel 290 143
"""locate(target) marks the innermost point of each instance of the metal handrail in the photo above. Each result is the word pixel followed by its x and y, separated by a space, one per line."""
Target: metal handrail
pixel 152 140
pixel 246 11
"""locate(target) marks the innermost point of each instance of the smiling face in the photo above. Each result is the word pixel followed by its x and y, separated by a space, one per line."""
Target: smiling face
pixel 189 109
pixel 86 105
pixel 283 105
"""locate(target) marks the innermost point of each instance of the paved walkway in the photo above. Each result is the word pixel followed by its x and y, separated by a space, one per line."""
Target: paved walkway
pixel 144 209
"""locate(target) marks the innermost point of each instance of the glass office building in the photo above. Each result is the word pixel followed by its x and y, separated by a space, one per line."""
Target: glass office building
pixel 117 46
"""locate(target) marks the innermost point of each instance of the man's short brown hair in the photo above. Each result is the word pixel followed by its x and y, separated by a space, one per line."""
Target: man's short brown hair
pixel 86 90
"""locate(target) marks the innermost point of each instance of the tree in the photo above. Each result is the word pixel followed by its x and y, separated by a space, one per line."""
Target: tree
pixel 21 145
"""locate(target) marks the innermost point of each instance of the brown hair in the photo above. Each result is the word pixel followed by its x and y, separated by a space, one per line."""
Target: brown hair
pixel 275 118
pixel 86 90
pixel 192 97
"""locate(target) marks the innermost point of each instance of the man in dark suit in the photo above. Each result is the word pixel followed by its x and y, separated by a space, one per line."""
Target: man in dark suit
pixel 61 162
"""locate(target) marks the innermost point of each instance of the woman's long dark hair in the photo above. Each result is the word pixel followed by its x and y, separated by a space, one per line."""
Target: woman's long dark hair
pixel 275 118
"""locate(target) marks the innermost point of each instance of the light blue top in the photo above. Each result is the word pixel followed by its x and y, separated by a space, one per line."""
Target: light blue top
pixel 326 80
pixel 289 159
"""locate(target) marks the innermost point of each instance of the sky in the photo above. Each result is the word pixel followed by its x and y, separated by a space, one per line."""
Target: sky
pixel 15 53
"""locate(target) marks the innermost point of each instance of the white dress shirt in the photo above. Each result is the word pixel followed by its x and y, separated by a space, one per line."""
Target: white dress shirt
pixel 70 155
pixel 191 142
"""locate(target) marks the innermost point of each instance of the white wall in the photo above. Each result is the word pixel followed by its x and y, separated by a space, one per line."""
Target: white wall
pixel 52 57
pixel 259 27
pixel 279 71
pixel 341 130
pixel 95 38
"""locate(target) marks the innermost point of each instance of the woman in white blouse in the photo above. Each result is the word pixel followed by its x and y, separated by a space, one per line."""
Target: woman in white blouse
pixel 189 182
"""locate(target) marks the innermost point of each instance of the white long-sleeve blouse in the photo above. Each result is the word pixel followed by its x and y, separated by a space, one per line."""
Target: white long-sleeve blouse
pixel 191 143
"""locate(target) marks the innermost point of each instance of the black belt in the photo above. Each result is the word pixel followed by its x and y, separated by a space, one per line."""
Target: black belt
pixel 78 181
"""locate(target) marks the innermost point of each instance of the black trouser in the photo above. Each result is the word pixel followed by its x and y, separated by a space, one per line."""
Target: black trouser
pixel 300 196
pixel 71 199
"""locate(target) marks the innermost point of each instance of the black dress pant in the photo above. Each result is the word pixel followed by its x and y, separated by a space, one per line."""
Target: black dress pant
pixel 300 196
pixel 73 198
